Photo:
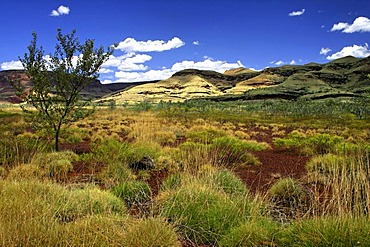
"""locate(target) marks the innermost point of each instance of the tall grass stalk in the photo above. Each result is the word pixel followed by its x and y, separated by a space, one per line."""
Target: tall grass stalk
pixel 347 185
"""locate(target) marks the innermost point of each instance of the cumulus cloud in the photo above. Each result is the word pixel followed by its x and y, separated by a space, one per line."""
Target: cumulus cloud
pixel 297 13
pixel 11 65
pixel 355 50
pixel 128 62
pixel 293 62
pixel 162 74
pixel 325 51
pixel 132 45
pixel 196 42
pixel 61 10
pixel 360 24
pixel 279 63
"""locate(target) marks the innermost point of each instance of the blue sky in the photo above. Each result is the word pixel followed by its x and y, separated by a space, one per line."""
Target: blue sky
pixel 160 37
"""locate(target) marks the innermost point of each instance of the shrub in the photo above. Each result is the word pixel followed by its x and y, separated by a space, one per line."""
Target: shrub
pixel 133 192
pixel 25 171
pixel 202 215
pixel 327 231
pixel 204 134
pixel 224 180
pixel 150 232
pixel 257 232
pixel 55 165
pixel 230 151
pixel 89 201
pixel 325 164
pixel 94 230
pixel 286 191
pixel 172 182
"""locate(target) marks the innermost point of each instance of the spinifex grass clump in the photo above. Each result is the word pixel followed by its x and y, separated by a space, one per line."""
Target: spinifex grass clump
pixel 201 214
pixel 34 213
pixel 346 181
pixel 257 232
pixel 326 231
pixel 231 152
pixel 133 193
pixel 150 232
pixel 310 144
pixel 55 165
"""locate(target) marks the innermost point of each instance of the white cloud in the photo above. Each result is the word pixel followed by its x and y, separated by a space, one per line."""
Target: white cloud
pixel 105 71
pixel 207 64
pixel 196 42
pixel 293 62
pixel 297 13
pixel 11 65
pixel 325 51
pixel 62 10
pixel 150 75
pixel 360 24
pixel 128 62
pixel 278 63
pixel 355 50
pixel 132 45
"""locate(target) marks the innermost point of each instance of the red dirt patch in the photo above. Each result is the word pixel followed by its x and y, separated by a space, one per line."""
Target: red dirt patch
pixel 275 164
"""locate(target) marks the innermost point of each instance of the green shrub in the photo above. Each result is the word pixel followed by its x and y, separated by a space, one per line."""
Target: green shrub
pixel 202 215
pixel 286 191
pixel 326 164
pixel 89 201
pixel 150 232
pixel 55 165
pixel 25 172
pixel 133 192
pixel 204 134
pixel 34 213
pixel 94 230
pixel 109 151
pixel 230 151
pixel 172 182
pixel 115 173
pixel 226 181
pixel 327 231
pixel 257 232
pixel 310 144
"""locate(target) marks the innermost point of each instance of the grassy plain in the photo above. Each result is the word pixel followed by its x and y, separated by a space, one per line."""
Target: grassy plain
pixel 178 168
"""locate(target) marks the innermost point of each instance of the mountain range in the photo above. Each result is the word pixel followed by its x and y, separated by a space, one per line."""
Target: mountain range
pixel 344 77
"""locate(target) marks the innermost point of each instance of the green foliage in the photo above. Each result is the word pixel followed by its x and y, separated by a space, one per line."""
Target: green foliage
pixel 133 192
pixel 326 164
pixel 226 181
pixel 172 182
pixel 257 232
pixel 286 190
pixel 310 144
pixel 202 215
pixel 57 82
pixel 231 152
pixel 327 231
pixel 204 135
pixel 150 232
pixel 34 213
pixel 55 165
pixel 88 201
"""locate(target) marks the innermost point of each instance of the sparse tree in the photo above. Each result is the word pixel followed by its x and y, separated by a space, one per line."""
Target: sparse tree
pixel 59 78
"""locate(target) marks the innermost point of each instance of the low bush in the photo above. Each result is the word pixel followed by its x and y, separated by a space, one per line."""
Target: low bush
pixel 88 201
pixel 257 232
pixel 150 232
pixel 201 214
pixel 286 191
pixel 203 134
pixel 55 165
pixel 133 192
pixel 231 152
pixel 327 231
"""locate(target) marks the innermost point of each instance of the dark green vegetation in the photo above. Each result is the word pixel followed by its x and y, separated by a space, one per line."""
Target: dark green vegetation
pixel 172 174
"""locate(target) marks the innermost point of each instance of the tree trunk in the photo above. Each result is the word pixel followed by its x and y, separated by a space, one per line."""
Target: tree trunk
pixel 57 131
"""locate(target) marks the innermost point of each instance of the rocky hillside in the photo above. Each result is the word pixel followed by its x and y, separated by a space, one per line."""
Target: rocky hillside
pixel 95 90
pixel 345 77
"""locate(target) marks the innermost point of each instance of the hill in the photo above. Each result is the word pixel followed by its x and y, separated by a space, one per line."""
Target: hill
pixel 344 77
